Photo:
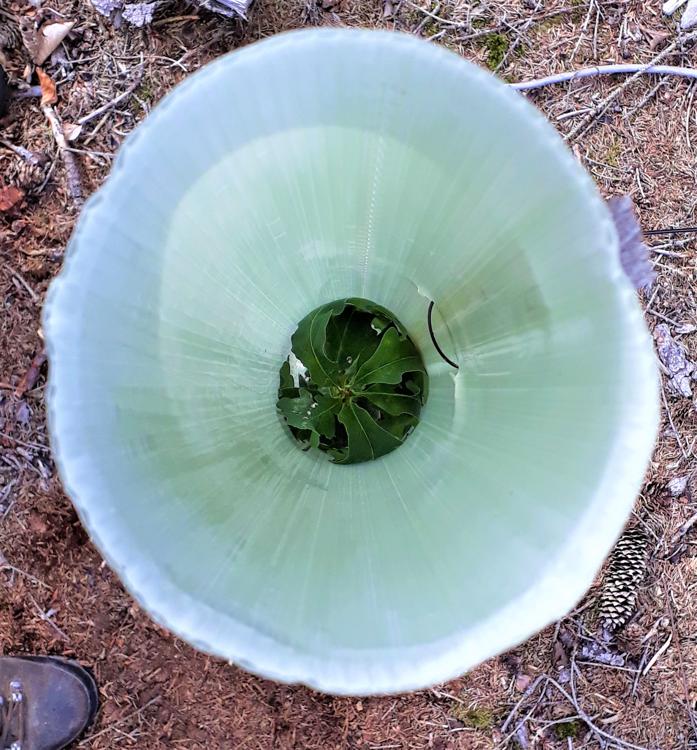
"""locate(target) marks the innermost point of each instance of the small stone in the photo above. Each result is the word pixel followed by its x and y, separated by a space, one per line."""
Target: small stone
pixel 107 7
pixel 23 413
pixel 596 653
pixel 139 14
pixel 677 486
pixel 673 355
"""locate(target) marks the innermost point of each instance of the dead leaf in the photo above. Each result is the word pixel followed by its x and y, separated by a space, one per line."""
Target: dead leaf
pixel 72 131
pixel 522 682
pixel 9 197
pixel 48 88
pixel 655 38
pixel 48 40
pixel 560 657
pixel 388 9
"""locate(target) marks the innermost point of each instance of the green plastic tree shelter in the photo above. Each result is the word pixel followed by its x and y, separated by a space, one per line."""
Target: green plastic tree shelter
pixel 319 166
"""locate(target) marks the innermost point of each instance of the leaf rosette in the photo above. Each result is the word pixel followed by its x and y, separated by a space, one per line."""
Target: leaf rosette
pixel 354 383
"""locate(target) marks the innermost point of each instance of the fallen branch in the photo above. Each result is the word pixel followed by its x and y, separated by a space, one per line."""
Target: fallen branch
pixel 589 119
pixel 604 70
pixel 72 168
pixel 29 156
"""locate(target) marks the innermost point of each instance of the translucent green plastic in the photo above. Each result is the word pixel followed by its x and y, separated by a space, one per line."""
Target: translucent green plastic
pixel 308 167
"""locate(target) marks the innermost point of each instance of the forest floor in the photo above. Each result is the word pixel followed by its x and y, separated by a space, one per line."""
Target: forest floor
pixel 56 594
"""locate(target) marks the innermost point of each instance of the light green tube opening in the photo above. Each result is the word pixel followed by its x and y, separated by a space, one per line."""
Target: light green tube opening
pixel 307 168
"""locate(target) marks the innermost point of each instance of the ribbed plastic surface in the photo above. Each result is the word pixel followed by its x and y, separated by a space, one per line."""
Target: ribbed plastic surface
pixel 326 164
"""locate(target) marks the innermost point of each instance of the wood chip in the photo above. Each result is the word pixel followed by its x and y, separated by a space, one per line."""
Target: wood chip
pixel 9 197
pixel 30 377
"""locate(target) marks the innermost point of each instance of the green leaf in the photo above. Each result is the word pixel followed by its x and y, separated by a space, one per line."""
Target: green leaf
pixel 309 343
pixel 324 415
pixel 287 388
pixel 308 412
pixel 350 334
pixel 286 377
pixel 297 411
pixel 394 357
pixel 366 438
pixel 391 402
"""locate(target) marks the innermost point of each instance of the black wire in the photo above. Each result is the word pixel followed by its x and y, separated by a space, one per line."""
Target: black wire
pixel 674 230
pixel 435 343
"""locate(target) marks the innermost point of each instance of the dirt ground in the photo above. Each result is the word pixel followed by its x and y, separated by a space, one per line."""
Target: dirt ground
pixel 56 594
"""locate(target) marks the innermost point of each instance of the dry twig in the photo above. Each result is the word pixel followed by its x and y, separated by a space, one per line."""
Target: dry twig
pixel 114 726
pixel 600 733
pixel 117 100
pixel 72 168
pixel 23 282
pixel 519 38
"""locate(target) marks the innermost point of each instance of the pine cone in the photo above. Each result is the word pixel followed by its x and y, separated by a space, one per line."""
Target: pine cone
pixel 30 176
pixel 625 571
pixel 10 36
pixel 26 173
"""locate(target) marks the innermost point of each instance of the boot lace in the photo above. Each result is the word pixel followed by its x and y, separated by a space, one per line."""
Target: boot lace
pixel 12 718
